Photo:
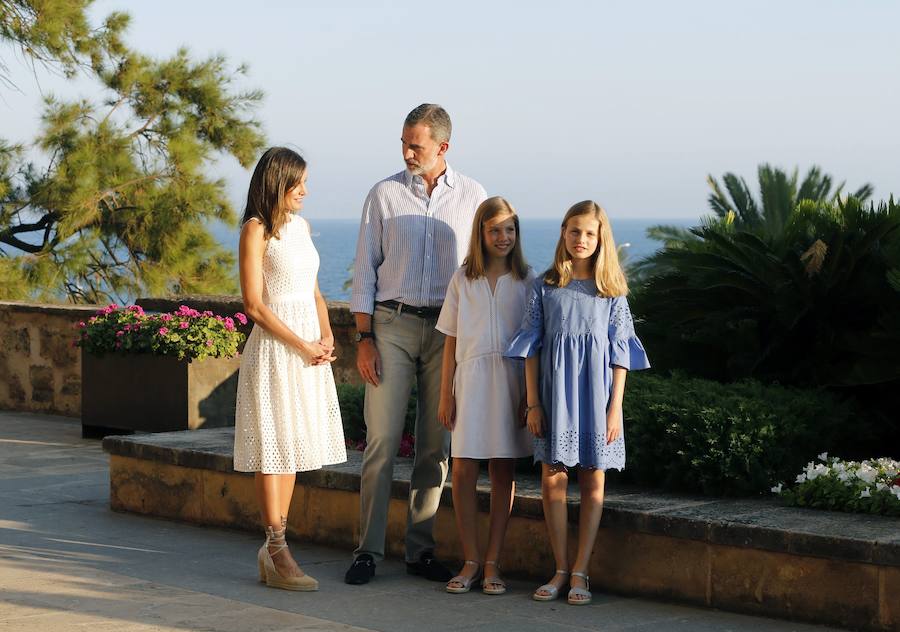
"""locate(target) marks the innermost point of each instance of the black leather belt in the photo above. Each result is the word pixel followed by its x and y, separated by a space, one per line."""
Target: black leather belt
pixel 423 312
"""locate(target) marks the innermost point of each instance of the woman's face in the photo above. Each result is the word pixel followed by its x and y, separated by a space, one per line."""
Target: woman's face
pixel 294 197
pixel 582 236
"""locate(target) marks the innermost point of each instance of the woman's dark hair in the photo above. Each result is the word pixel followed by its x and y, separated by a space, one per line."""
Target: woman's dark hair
pixel 278 171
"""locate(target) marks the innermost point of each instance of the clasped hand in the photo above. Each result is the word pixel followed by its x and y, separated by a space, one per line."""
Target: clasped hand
pixel 318 352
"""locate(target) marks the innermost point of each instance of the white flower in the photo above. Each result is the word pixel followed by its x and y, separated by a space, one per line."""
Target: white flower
pixel 865 493
pixel 813 473
pixel 867 473
pixel 801 478
pixel 824 457
pixel 843 476
pixel 777 489
pixel 879 486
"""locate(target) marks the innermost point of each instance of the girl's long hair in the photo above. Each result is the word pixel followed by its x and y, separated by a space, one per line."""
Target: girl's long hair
pixel 278 171
pixel 608 274
pixel 493 208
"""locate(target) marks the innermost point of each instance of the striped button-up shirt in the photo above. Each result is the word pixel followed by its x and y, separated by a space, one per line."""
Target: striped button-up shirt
pixel 409 243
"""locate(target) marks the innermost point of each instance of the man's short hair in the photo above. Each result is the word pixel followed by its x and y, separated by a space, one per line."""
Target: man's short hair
pixel 435 117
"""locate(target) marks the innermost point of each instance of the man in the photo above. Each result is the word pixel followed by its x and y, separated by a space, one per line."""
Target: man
pixel 414 233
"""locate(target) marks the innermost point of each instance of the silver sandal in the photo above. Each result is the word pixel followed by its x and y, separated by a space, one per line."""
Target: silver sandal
pixel 584 593
pixel 465 582
pixel 551 590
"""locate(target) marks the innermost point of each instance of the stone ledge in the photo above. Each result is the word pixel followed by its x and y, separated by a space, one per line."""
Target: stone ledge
pixel 61 309
pixel 745 523
pixel 743 555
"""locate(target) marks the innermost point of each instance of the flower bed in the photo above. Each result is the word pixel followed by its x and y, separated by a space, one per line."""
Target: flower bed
pixel 871 486
pixel 185 333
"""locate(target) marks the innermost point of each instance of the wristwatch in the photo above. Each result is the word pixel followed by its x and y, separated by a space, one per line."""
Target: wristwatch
pixel 362 335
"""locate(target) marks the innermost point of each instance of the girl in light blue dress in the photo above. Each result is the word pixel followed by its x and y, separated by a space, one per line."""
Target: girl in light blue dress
pixel 578 340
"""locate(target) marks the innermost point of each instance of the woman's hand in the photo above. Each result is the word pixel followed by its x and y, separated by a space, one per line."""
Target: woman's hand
pixel 328 343
pixel 535 420
pixel 613 423
pixel 447 412
pixel 315 353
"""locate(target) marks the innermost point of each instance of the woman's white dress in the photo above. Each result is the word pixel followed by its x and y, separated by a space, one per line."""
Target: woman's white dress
pixel 287 418
pixel 487 386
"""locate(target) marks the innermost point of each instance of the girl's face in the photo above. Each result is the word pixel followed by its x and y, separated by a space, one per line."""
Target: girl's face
pixel 499 236
pixel 582 236
pixel 293 199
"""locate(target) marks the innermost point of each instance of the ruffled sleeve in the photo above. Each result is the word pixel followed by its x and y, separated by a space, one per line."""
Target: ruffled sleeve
pixel 527 341
pixel 626 350
pixel 447 321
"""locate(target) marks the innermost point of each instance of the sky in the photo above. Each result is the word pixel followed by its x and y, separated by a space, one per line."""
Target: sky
pixel 632 103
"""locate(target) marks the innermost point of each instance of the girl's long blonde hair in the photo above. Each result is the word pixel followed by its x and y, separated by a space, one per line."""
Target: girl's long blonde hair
pixel 493 208
pixel 278 171
pixel 608 274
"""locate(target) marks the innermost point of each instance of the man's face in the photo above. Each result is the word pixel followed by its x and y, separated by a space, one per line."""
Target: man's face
pixel 421 152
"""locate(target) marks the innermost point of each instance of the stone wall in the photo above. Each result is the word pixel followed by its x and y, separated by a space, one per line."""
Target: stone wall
pixel 40 370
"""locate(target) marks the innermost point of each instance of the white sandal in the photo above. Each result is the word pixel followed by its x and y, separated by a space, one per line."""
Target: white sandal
pixel 465 582
pixel 551 590
pixel 584 593
pixel 499 586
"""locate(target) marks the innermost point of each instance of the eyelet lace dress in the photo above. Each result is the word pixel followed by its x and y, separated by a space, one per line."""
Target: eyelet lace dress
pixel 287 418
pixel 580 337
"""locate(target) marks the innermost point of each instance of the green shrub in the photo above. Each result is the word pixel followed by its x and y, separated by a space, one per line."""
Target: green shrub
pixel 871 486
pixel 698 435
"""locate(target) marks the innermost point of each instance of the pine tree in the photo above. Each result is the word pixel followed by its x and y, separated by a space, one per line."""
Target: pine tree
pixel 122 203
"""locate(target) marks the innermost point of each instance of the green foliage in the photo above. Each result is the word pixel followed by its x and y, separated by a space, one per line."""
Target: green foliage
pixel 122 205
pixel 807 298
pixel 184 333
pixel 871 486
pixel 57 33
pixel 698 435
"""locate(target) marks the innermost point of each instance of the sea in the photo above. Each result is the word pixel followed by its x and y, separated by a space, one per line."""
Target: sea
pixel 335 239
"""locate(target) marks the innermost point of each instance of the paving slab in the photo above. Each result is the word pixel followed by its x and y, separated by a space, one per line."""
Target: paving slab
pixel 69 563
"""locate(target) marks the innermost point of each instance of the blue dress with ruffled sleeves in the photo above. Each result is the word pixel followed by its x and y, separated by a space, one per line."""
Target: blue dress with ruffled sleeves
pixel 580 336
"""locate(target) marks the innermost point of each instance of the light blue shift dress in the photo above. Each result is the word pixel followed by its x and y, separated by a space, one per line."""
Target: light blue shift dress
pixel 580 336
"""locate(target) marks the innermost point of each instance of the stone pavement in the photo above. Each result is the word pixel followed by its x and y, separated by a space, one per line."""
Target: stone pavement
pixel 68 563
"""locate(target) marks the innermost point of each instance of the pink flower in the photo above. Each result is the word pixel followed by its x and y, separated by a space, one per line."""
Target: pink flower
pixel 229 324
pixel 209 343
pixel 166 317
pixel 184 324
pixel 120 333
pixel 163 331
pixel 137 309
pixel 92 319
pixel 218 318
pixel 207 313
pixel 119 344
pixel 241 318
pixel 81 324
pixel 183 310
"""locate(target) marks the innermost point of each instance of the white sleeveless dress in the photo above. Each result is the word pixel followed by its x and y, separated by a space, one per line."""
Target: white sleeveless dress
pixel 287 418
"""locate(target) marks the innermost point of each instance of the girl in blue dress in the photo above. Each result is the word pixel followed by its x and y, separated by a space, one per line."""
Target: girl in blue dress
pixel 578 340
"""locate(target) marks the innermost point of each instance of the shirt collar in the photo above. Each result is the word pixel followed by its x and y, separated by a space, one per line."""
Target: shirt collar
pixel 449 177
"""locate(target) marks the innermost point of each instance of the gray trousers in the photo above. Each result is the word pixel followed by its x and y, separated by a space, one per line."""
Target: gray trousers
pixel 410 349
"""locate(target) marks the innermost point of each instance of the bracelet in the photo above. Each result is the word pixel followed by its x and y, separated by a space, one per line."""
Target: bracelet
pixel 528 408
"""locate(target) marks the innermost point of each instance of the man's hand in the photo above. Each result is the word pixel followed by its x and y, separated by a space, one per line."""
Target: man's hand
pixel 368 362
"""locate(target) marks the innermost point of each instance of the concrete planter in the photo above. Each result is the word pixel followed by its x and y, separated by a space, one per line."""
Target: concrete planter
pixel 148 393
